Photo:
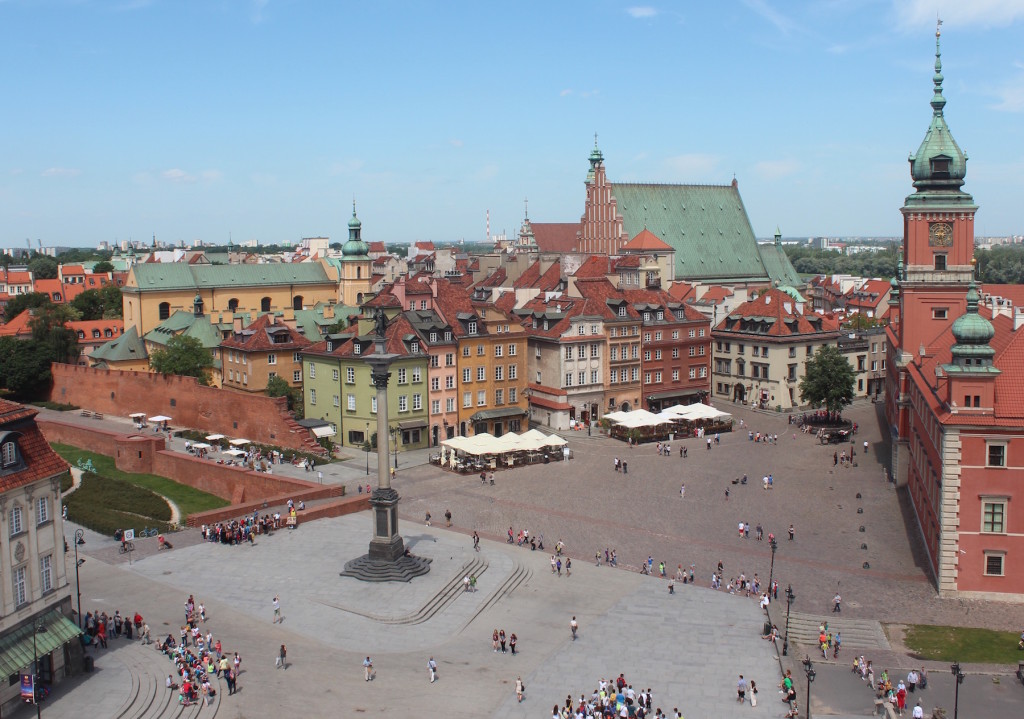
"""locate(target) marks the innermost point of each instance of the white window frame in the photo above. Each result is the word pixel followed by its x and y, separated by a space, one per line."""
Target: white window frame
pixel 42 510
pixel 481 398
pixel 403 403
pixel 350 402
pixel 989 446
pixel 417 402
pixel 16 520
pixel 19 582
pixel 271 358
pixel 992 553
pixel 46 573
pixel 350 375
pixel 1002 502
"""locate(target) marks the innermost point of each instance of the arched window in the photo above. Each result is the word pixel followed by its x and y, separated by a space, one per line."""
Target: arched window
pixel 297 302
pixel 359 298
pixel 233 304
pixel 359 273
pixel 265 304
pixel 165 310
pixel 95 333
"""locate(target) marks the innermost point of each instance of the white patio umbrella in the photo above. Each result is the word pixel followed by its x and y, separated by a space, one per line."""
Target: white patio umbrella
pixel 240 442
pixel 214 437
pixel 160 418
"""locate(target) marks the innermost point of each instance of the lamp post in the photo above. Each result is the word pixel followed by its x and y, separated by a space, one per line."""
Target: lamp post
pixel 367 446
pixel 79 539
pixel 956 690
pixel 809 671
pixel 36 629
pixel 789 601
pixel 773 545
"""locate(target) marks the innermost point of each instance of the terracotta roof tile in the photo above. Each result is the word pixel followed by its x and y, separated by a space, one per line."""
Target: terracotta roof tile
pixel 774 313
pixel 257 337
pixel 557 237
pixel 647 241
pixel 40 460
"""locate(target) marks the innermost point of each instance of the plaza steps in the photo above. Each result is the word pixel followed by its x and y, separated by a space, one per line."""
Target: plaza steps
pixel 149 697
pixel 519 575
pixel 858 634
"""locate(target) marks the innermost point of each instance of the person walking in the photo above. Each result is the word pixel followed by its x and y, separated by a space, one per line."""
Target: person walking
pixel 432 666
pixel 448 517
pixel 574 627
pixel 837 600
pixel 277 610
pixel 741 686
pixel 476 541
pixel 282 656
pixel 520 687
pixel 367 669
pixel 753 693
pixel 568 566
pixel 682 491
pixel 428 519
pixel 494 640
pixel 501 639
pixel 512 643
pixel 792 532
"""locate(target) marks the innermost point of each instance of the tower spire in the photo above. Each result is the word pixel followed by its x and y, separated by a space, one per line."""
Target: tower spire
pixel 938 101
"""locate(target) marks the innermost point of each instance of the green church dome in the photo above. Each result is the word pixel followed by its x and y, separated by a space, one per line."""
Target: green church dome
pixel 971 328
pixel 354 246
pixel 939 163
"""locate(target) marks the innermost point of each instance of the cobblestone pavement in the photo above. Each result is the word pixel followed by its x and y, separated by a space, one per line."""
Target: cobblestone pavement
pixel 591 507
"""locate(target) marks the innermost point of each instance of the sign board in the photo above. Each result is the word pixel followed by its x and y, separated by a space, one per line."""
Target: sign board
pixel 28 688
pixel 292 522
pixel 129 535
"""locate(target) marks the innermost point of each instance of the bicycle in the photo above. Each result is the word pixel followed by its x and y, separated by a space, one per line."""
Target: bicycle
pixel 147 532
pixel 86 465
pixel 126 546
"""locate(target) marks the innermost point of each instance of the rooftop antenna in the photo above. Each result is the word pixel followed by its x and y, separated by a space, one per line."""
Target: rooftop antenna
pixel 488 225
pixel 526 208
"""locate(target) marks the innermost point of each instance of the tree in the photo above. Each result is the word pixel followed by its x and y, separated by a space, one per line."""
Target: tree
pixel 25 368
pixel 279 387
pixel 104 303
pixel 19 303
pixel 43 268
pixel 183 356
pixel 828 380
pixel 113 306
pixel 49 327
pixel 103 266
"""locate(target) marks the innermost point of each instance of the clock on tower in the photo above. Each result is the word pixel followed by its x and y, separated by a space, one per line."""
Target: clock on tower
pixel 940 234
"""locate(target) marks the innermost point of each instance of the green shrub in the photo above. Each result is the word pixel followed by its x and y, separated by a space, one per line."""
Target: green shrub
pixel 58 406
pixel 104 505
pixel 66 482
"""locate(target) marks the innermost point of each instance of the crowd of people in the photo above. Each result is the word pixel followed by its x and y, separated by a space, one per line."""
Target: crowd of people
pixel 247 528
pixel 898 694
pixel 611 698
pixel 197 659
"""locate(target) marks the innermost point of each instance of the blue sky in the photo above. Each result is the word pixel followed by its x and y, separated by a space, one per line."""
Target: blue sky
pixel 261 119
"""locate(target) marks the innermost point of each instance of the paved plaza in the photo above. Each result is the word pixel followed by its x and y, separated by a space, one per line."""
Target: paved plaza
pixel 688 647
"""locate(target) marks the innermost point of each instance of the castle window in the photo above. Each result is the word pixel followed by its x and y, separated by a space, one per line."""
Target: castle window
pixel 165 310
pixel 940 261
pixel 233 304
pixel 10 453
pixel 994 564
pixel 940 167
pixel 939 313
pixel 996 455
pixel 265 304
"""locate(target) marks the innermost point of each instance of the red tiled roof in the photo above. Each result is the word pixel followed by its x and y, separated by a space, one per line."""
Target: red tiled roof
pixel 256 337
pixel 556 236
pixel 529 276
pixel 495 279
pixel 18 326
pixel 377 246
pixel 506 302
pixel 548 390
pixel 40 460
pixel 428 245
pixel 548 403
pixel 628 262
pixel 551 278
pixel 18 277
pixel 115 326
pixel 594 266
pixel 398 327
pixel 681 291
pixel 715 293
pixel 776 305
pixel 647 241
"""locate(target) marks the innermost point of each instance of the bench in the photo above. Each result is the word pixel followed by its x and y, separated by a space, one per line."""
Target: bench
pixel 86 413
pixel 97 415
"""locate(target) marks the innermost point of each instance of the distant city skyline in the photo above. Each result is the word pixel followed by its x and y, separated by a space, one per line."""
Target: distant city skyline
pixel 263 119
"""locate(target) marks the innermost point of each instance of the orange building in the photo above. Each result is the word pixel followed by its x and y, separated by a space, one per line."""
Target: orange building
pixel 266 348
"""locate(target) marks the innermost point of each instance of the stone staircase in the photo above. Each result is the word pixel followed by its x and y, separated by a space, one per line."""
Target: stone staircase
pixel 149 697
pixel 858 634
pixel 519 575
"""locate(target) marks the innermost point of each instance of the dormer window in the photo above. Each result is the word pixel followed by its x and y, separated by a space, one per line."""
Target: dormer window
pixel 357 348
pixel 471 327
pixel 414 346
pixel 940 167
pixel 448 336
pixel 433 337
pixel 95 333
pixel 647 316
pixel 330 346
pixel 622 310
pixel 81 335
pixel 9 449
pixel 661 314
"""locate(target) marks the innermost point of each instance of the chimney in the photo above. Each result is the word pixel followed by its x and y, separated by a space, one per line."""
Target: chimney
pixel 1018 318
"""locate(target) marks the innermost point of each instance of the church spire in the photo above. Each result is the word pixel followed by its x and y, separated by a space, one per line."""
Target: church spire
pixel 938 101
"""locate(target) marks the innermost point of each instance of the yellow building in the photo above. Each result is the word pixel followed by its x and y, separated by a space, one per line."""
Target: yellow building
pixel 266 348
pixel 355 268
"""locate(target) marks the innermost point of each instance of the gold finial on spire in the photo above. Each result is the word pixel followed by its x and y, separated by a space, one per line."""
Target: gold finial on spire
pixel 938 25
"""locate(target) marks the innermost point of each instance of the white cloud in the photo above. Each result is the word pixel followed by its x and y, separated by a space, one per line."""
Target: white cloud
pixel 563 93
pixel 455 142
pixel 962 13
pixel 692 167
pixel 177 175
pixel 782 23
pixel 641 12
pixel 61 172
pixel 776 169
pixel 256 12
pixel 1011 95
pixel 211 175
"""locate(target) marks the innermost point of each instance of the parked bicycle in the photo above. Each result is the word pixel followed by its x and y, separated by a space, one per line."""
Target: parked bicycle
pixel 147 532
pixel 86 465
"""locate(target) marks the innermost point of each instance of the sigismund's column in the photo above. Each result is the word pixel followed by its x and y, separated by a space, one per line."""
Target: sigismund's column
pixel 387 560
pixel 387 544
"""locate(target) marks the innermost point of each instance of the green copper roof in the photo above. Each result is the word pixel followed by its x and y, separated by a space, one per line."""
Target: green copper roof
pixel 776 263
pixel 708 227
pixel 185 323
pixel 354 248
pixel 970 328
pixel 314 325
pixel 126 347
pixel 177 275
pixel 939 164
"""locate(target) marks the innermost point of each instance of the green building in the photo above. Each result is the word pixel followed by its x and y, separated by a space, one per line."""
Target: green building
pixel 338 388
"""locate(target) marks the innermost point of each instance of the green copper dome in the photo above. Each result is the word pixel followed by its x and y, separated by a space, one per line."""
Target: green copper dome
pixel 972 333
pixel 939 163
pixel 355 247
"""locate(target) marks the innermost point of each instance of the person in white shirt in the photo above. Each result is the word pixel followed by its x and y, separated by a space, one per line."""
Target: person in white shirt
pixel 918 711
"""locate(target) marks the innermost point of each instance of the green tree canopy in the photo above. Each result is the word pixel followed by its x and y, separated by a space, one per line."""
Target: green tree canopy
pixel 49 327
pixel 183 356
pixel 828 380
pixel 25 368
pixel 104 303
pixel 103 266
pixel 43 268
pixel 277 386
pixel 19 303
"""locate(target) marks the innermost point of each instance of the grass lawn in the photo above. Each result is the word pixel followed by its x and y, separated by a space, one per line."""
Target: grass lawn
pixel 189 500
pixel 104 505
pixel 963 644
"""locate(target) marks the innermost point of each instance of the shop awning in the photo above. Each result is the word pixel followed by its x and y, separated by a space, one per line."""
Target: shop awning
pixel 16 646
pixel 413 424
pixel 324 431
pixel 676 393
pixel 486 414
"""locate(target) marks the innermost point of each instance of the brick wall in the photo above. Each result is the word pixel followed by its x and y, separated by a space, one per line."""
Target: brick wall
pixel 245 490
pixel 348 505
pixel 209 409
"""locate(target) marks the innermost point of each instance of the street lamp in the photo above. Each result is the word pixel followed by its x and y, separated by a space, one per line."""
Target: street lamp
pixel 771 572
pixel 36 629
pixel 789 601
pixel 809 671
pixel 79 539
pixel 956 693
pixel 366 446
